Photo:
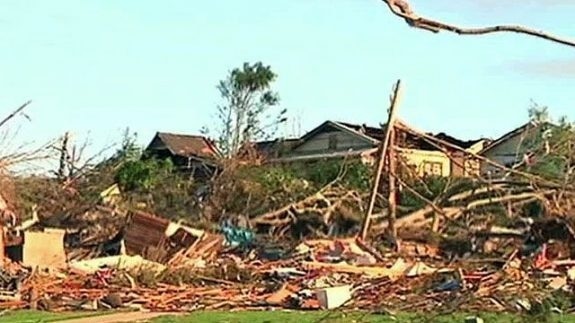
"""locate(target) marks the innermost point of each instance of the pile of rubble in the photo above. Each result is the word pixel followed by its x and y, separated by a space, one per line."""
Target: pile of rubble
pixel 164 266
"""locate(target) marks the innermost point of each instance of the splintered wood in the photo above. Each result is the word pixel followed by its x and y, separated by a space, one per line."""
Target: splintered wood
pixel 344 271
pixel 481 244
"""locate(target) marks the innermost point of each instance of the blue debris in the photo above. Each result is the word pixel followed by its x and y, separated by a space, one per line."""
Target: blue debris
pixel 237 237
pixel 449 286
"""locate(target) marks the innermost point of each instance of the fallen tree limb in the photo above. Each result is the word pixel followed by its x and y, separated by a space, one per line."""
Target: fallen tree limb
pixel 401 8
pixel 507 198
pixel 421 218
pixel 320 207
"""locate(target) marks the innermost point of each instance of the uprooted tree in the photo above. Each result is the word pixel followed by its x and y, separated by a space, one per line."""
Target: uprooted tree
pixel 247 112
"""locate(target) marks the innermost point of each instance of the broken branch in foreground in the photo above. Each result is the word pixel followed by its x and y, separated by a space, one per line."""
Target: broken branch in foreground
pixel 13 114
pixel 401 8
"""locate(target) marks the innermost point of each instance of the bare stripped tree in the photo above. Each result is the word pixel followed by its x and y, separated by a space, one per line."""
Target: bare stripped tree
pixel 401 8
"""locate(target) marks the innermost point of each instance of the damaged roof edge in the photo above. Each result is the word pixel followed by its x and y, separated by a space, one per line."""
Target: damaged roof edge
pixel 186 145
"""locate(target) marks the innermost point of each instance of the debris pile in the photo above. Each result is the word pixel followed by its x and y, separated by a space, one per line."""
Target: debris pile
pixel 165 266
pixel 478 245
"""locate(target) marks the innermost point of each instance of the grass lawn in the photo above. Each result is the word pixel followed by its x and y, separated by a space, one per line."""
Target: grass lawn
pixel 280 316
pixel 339 317
pixel 37 316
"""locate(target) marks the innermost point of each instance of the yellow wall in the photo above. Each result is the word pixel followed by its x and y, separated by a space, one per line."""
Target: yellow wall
pixel 44 248
pixel 478 147
pixel 418 158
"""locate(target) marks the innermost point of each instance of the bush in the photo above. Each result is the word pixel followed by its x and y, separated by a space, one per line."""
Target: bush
pixel 143 174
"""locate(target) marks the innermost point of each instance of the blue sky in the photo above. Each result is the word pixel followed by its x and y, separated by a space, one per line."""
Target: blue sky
pixel 96 67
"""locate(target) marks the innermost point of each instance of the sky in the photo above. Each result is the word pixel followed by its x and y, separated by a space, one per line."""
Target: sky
pixel 96 67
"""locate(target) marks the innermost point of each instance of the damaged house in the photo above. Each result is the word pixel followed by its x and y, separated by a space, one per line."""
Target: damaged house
pixel 29 244
pixel 263 151
pixel 515 146
pixel 191 154
pixel 334 139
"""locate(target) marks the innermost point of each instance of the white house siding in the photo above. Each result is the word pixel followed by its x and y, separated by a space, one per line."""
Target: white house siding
pixel 320 143
pixel 508 153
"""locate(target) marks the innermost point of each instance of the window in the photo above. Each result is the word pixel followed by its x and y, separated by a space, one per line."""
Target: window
pixel 432 168
pixel 471 167
pixel 436 169
pixel 332 144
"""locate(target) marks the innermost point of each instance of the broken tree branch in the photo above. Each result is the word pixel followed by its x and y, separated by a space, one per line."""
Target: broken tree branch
pixel 401 8
pixel 13 114
pixel 381 160
pixel 392 162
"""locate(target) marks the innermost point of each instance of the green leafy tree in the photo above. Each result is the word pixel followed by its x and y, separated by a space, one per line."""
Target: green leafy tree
pixel 143 174
pixel 538 113
pixel 129 149
pixel 552 146
pixel 134 173
pixel 247 113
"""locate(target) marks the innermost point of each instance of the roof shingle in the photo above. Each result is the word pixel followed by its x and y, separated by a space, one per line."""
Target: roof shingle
pixel 188 145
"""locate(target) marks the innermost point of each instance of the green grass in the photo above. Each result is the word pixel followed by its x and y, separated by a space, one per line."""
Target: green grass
pixel 339 317
pixel 283 316
pixel 37 316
